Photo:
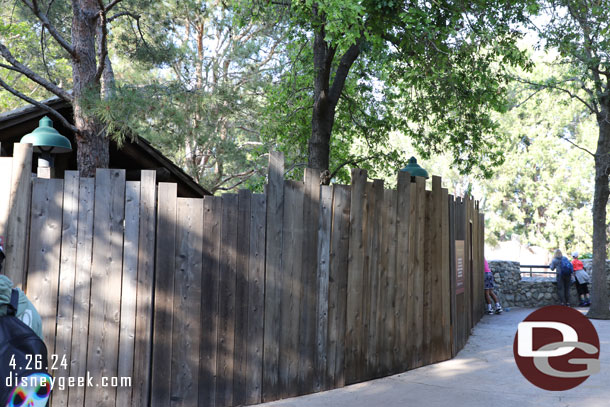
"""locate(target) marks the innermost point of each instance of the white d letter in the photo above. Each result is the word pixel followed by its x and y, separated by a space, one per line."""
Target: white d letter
pixel 526 342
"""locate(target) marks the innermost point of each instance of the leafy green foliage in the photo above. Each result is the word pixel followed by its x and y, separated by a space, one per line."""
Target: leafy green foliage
pixel 166 115
pixel 23 35
pixel 541 194
pixel 435 71
pixel 202 106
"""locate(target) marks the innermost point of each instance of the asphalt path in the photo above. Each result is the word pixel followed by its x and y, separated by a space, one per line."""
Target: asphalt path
pixel 484 373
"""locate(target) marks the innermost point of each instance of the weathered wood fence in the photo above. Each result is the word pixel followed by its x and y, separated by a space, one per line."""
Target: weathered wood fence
pixel 243 298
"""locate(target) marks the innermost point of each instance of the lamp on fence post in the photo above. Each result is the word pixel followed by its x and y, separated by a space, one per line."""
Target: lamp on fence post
pixel 47 141
pixel 414 169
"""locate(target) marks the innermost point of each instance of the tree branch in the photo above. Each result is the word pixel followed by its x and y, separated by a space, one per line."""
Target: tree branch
pixel 121 14
pixel 34 102
pixel 347 60
pixel 588 45
pixel 527 98
pixel 42 55
pixel 293 166
pixel 52 30
pixel 42 44
pixel 352 162
pixel 577 146
pixel 9 67
pixel 244 176
pixel 592 108
pixel 103 41
pixel 110 5
pixel 19 67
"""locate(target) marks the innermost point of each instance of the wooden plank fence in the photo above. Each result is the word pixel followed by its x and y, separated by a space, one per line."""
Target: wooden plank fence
pixel 241 298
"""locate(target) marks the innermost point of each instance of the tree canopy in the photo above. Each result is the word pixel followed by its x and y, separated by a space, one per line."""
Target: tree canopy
pixel 577 30
pixel 360 70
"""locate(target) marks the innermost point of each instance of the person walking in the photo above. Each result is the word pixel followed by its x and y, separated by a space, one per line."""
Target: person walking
pixel 582 281
pixel 563 268
pixel 489 291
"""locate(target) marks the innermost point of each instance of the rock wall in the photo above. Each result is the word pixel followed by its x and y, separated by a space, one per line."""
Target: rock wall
pixel 516 291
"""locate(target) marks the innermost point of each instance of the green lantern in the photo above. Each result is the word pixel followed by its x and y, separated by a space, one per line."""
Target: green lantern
pixel 47 141
pixel 414 169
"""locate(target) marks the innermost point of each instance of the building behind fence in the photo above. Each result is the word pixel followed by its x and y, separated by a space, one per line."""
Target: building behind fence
pixel 242 298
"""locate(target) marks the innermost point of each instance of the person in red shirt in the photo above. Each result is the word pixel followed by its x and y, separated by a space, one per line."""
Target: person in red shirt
pixel 582 280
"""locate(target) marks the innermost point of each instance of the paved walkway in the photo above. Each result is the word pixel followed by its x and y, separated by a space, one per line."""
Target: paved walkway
pixel 482 374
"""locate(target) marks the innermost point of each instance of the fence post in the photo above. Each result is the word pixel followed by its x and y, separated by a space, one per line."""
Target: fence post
pixel 273 267
pixel 16 241
pixel 354 322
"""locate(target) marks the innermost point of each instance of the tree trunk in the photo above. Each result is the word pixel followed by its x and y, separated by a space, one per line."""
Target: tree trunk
pixel 323 115
pixel 107 85
pixel 599 292
pixel 326 96
pixel 91 140
pixel 321 127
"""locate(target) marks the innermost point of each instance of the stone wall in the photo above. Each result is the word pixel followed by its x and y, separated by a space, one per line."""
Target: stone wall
pixel 515 291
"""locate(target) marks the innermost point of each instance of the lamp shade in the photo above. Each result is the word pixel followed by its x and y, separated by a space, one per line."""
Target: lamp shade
pixel 45 139
pixel 414 169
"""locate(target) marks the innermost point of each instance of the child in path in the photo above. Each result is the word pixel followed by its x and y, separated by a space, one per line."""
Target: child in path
pixel 582 280
pixel 489 291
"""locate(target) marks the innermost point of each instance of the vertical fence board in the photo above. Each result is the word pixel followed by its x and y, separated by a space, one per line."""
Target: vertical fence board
pixel 241 296
pixel 307 328
pixel 384 335
pixel 475 266
pixel 427 279
pixel 372 311
pixel 461 304
pixel 82 289
pixel 6 169
pixel 338 285
pixel 355 279
pixel 452 280
pixel 106 271
pixel 129 289
pixel 480 265
pixel 163 297
pixel 67 272
pixel 481 231
pixel 256 300
pixel 323 276
pixel 445 276
pixel 368 215
pixel 291 288
pixel 403 285
pixel 418 274
pixel 468 266
pixel 273 267
pixel 44 252
pixel 436 272
pixel 144 290
pixel 226 310
pixel 187 297
pixel 389 293
pixel 15 245
pixel 210 278
pixel 382 291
